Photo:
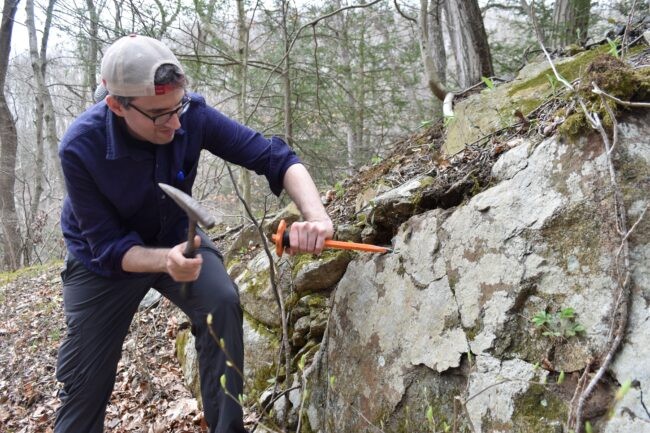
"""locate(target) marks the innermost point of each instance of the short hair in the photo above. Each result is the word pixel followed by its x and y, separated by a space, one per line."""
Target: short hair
pixel 165 74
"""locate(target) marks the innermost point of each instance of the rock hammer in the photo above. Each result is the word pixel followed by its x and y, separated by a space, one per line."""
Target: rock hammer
pixel 196 213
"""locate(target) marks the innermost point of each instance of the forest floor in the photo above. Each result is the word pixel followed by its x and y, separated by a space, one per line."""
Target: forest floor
pixel 149 394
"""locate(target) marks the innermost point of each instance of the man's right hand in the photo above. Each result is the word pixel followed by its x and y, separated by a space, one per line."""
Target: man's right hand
pixel 181 268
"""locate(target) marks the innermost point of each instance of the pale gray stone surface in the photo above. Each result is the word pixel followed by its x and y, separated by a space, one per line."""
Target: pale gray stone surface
pixel 543 238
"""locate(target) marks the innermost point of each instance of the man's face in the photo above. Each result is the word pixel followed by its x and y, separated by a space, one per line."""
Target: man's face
pixel 142 127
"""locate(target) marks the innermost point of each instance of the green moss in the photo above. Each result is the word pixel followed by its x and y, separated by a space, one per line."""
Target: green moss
pixel 427 181
pixel 273 334
pixel 573 126
pixel 261 380
pixel 528 105
pixel 300 261
pixel 257 283
pixel 32 271
pixel 538 410
pixel 416 198
pixel 472 332
pixel 181 342
pixel 317 301
pixel 328 255
pixel 575 235
pixel 569 70
pixel 614 77
pixel 232 261
pixel 308 351
pixel 292 300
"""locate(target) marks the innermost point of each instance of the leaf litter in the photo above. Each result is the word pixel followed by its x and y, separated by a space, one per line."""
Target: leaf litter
pixel 149 394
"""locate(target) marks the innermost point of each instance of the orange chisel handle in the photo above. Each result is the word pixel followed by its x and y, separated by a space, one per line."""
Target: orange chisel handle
pixel 281 239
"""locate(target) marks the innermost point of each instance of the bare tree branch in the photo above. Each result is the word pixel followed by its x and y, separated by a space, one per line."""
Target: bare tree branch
pixel 403 14
pixel 627 29
pixel 598 91
pixel 293 41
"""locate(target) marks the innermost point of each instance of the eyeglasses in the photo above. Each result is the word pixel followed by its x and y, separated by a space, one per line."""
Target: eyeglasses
pixel 161 119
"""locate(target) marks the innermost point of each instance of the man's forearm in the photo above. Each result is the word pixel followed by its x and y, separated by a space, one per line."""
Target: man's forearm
pixel 142 259
pixel 300 187
pixel 168 260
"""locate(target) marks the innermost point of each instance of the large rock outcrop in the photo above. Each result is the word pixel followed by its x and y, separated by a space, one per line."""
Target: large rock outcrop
pixel 449 314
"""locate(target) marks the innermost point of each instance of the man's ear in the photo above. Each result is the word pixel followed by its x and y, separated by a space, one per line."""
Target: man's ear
pixel 115 106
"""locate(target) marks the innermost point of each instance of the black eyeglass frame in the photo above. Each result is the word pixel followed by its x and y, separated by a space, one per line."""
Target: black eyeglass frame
pixel 185 103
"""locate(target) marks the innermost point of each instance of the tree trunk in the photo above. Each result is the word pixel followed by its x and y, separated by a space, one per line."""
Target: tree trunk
pixel 45 118
pixel 438 52
pixel 8 147
pixel 427 47
pixel 469 41
pixel 93 37
pixel 39 169
pixel 350 111
pixel 286 78
pixel 570 22
pixel 242 75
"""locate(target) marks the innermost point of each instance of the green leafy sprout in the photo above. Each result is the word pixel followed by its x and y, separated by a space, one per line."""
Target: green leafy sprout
pixel 488 82
pixel 561 324
pixel 613 47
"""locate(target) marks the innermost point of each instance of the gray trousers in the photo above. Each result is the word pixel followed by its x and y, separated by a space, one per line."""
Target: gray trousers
pixel 98 313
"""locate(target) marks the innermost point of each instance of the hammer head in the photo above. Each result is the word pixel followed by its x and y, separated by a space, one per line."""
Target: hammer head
pixel 193 209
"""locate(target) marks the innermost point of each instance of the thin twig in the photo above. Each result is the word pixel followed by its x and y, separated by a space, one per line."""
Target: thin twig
pixel 598 91
pixel 610 112
pixel 403 14
pixel 629 232
pixel 272 276
pixel 540 39
pixel 627 29
pixel 580 386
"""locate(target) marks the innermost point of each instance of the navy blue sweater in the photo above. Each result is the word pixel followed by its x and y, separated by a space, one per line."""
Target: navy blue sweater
pixel 114 201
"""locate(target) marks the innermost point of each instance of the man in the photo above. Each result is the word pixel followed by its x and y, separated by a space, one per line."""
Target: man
pixel 124 235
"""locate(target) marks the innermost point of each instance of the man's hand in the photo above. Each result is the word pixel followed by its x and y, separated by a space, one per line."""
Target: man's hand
pixel 309 236
pixel 179 267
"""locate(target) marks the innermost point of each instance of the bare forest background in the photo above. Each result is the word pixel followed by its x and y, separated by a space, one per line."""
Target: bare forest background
pixel 339 80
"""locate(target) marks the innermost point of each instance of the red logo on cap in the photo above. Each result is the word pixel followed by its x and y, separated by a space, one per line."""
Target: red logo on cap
pixel 161 89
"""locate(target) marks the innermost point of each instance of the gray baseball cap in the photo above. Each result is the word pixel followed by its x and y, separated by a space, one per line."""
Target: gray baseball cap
pixel 130 63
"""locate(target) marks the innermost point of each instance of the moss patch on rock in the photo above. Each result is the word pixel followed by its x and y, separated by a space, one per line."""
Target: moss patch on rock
pixel 575 236
pixel 539 410
pixel 615 78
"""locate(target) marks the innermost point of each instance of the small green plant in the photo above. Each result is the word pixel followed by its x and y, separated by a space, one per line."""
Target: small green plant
pixel 624 389
pixel 301 363
pixel 376 159
pixel 613 47
pixel 426 123
pixel 430 419
pixel 448 121
pixel 620 393
pixel 553 81
pixel 339 190
pixel 488 82
pixel 561 324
